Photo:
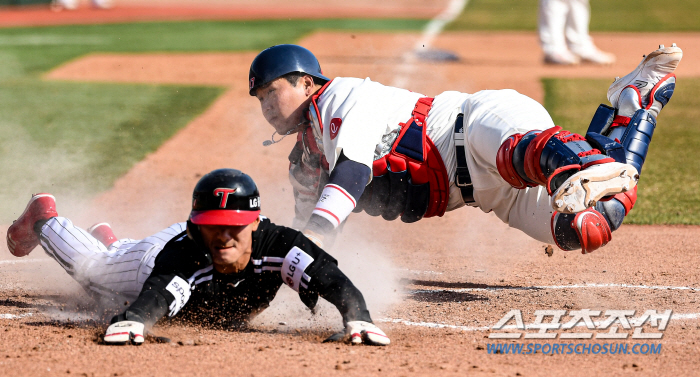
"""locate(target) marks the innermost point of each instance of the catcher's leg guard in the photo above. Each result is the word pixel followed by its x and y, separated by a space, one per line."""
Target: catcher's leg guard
pixel 631 127
pixel 630 123
pixel 546 158
pixel 591 229
pixel 574 172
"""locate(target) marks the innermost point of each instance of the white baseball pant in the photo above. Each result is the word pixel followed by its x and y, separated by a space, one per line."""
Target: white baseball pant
pixel 563 24
pixel 490 117
pixel 119 270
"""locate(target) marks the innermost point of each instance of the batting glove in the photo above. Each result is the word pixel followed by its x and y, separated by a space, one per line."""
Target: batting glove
pixel 367 333
pixel 124 332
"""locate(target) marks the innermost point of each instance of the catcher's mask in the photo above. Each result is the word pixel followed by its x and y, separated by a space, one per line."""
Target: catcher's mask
pixel 277 61
pixel 225 197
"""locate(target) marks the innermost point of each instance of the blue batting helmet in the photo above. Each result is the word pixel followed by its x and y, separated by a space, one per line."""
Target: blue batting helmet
pixel 279 60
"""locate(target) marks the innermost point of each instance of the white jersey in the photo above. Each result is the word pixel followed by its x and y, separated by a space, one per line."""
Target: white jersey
pixel 361 119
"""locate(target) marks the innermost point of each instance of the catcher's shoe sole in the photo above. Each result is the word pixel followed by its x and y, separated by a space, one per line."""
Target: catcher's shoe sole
pixel 585 188
pixel 652 68
pixel 21 239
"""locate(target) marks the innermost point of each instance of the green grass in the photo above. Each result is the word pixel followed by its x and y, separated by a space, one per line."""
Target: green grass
pixel 606 15
pixel 38 49
pixel 77 138
pixel 669 189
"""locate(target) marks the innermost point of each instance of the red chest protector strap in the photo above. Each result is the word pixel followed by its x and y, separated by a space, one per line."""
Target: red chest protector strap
pixel 414 151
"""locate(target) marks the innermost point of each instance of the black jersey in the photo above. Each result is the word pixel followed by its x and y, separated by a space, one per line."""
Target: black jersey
pixel 185 283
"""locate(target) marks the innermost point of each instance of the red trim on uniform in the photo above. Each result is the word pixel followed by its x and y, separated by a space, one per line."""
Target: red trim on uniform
pixel 314 98
pixel 374 333
pixel 328 212
pixel 533 170
pixel 119 333
pixel 354 204
pixel 223 217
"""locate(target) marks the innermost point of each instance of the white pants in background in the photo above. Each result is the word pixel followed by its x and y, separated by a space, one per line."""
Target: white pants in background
pixel 563 25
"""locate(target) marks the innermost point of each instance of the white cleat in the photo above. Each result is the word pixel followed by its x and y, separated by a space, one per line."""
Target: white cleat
pixel 561 57
pixel 652 69
pixel 592 54
pixel 585 188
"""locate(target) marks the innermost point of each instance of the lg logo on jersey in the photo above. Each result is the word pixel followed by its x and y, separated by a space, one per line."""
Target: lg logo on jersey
pixel 335 127
pixel 291 269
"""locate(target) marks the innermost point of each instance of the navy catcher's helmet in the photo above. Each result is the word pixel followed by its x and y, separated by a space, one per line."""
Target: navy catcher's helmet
pixel 225 197
pixel 279 60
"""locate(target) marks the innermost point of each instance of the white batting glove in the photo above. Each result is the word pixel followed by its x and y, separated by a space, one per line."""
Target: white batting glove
pixel 124 332
pixel 367 333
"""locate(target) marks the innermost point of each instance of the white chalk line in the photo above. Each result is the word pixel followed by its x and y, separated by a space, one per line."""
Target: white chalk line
pixel 15 316
pixel 435 26
pixel 572 286
pixel 20 261
pixel 434 325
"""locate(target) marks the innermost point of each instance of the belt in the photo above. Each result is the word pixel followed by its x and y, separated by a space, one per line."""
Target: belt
pixel 462 178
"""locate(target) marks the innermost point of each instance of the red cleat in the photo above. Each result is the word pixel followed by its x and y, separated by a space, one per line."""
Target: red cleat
pixel 103 233
pixel 21 238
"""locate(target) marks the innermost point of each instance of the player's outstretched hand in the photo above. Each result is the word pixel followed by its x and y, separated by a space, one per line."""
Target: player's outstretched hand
pixel 367 333
pixel 123 332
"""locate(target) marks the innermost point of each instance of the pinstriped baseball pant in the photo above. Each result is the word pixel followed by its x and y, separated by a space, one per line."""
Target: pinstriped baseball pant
pixel 118 270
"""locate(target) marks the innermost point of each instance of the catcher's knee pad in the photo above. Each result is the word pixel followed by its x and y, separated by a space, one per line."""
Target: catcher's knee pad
pixel 545 158
pixel 592 228
pixel 588 230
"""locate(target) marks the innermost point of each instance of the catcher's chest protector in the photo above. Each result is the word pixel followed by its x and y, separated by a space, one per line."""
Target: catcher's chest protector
pixel 411 181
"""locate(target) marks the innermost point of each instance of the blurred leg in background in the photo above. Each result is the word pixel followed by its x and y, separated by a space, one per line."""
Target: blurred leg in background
pixel 59 5
pixel 563 31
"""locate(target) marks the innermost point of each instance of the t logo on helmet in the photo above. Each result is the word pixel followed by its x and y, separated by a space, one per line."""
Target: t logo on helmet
pixel 223 192
pixel 252 82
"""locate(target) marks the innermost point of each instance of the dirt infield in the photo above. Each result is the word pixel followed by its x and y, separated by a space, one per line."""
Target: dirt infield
pixel 436 293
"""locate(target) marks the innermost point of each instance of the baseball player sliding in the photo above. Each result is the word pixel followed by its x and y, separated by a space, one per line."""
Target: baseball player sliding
pixel 365 146
pixel 223 266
